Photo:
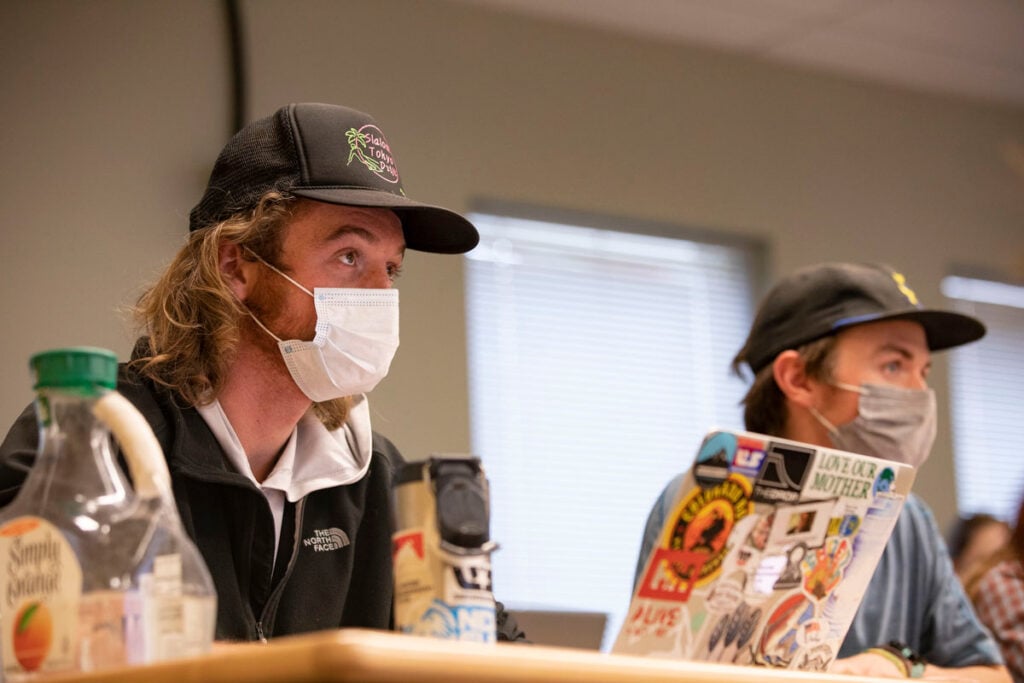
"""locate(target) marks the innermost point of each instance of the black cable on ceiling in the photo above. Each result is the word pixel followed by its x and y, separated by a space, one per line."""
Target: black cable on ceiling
pixel 236 46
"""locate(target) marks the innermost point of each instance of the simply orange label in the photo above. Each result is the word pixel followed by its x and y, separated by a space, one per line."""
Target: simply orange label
pixel 40 591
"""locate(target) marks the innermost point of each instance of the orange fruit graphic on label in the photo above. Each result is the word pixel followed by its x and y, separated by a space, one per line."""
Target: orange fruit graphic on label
pixel 19 527
pixel 33 633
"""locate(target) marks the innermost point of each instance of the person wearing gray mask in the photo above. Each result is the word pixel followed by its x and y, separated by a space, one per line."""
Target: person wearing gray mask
pixel 840 354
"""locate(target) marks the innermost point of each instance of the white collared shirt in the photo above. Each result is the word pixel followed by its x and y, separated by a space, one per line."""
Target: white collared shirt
pixel 314 458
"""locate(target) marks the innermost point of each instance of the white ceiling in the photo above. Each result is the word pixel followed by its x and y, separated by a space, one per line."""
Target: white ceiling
pixel 970 48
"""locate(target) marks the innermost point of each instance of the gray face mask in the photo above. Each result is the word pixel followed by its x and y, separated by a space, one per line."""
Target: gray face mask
pixel 892 423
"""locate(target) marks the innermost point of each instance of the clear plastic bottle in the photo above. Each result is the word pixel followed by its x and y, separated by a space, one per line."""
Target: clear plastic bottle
pixel 94 573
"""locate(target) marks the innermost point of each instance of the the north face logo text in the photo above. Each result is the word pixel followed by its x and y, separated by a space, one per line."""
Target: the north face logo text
pixel 324 540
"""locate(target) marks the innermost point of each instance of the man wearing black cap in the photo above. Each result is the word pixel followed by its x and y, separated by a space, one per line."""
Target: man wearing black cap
pixel 262 338
pixel 840 354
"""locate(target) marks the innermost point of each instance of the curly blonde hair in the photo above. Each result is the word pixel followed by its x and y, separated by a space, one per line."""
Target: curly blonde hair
pixel 191 318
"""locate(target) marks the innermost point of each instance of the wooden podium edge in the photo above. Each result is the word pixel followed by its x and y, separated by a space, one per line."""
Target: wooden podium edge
pixel 366 656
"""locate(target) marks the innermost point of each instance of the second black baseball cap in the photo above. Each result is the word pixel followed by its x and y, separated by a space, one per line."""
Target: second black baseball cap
pixel 820 300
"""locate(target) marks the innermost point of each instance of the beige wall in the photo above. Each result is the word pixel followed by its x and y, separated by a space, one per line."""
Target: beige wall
pixel 114 110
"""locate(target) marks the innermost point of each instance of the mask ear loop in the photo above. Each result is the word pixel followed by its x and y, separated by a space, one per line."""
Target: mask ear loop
pixel 850 387
pixel 257 321
pixel 246 308
pixel 832 429
pixel 282 274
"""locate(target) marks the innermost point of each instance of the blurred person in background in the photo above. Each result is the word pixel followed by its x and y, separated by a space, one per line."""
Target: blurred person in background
pixel 974 539
pixel 996 587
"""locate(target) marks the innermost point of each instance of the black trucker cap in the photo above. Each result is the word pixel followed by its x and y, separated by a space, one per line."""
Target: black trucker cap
pixel 331 154
pixel 820 300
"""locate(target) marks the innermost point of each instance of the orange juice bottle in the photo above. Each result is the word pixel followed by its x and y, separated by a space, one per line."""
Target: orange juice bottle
pixel 86 559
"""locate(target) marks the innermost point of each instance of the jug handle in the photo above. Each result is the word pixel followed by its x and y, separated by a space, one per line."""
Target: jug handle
pixel 142 451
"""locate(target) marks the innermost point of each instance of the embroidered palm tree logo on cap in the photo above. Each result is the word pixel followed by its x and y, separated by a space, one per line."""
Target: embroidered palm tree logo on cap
pixel 369 146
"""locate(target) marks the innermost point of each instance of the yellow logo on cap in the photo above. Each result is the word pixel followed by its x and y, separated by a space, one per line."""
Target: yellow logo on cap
pixel 901 282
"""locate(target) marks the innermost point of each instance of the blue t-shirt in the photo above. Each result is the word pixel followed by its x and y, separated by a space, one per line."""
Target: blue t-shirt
pixel 914 596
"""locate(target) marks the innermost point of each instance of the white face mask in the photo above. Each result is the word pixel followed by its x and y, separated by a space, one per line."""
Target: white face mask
pixel 892 423
pixel 356 339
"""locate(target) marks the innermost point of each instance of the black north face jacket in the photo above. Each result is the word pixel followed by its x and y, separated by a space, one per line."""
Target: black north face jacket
pixel 315 585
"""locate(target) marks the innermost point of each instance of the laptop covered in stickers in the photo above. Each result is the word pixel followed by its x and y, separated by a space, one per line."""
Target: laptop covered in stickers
pixel 766 553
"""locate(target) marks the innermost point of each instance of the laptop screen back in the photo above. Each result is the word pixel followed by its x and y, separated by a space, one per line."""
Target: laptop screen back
pixel 766 554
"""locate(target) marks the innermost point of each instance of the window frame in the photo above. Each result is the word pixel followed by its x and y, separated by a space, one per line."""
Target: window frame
pixel 754 252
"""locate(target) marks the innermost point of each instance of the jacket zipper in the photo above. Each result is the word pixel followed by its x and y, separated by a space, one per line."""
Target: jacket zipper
pixel 271 607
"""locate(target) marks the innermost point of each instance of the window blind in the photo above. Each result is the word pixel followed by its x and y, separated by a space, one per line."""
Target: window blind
pixel 597 361
pixel 987 398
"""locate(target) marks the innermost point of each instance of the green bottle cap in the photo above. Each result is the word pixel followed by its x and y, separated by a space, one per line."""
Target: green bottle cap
pixel 82 367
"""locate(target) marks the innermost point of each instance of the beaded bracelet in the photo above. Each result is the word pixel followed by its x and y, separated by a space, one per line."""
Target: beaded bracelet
pixel 903 656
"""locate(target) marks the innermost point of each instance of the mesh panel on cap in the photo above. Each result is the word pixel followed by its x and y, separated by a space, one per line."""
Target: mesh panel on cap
pixel 259 158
